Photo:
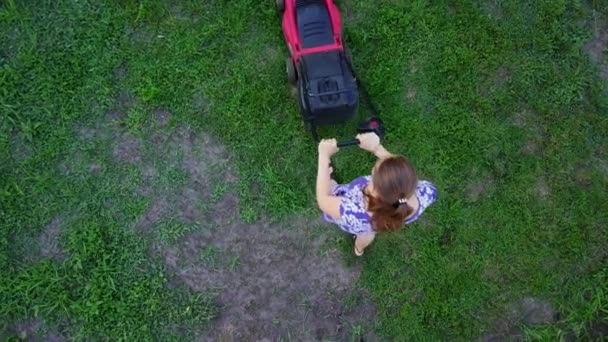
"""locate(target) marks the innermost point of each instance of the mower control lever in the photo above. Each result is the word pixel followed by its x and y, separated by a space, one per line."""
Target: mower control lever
pixel 372 125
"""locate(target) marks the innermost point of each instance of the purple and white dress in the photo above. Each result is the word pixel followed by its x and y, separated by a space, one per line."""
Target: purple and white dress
pixel 354 216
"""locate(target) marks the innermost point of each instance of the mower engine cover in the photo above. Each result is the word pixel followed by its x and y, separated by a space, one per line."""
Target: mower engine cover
pixel 326 85
pixel 327 88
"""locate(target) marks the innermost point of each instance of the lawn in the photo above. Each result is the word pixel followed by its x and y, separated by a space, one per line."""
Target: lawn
pixel 134 133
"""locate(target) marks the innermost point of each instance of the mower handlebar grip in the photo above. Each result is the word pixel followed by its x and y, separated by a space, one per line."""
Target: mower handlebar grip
pixel 348 143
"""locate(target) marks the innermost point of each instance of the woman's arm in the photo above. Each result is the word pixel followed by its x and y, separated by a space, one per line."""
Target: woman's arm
pixel 327 203
pixel 371 142
pixel 381 152
pixel 323 176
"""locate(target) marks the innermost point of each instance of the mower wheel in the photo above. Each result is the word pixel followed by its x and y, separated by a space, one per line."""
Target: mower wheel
pixel 292 75
pixel 280 6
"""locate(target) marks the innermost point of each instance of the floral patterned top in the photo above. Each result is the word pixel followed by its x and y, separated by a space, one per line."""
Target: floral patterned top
pixel 354 216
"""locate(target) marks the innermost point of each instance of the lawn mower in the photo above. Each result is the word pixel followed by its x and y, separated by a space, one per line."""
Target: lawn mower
pixel 320 67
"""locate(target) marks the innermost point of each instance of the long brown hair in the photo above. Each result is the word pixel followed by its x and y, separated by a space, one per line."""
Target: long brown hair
pixel 394 178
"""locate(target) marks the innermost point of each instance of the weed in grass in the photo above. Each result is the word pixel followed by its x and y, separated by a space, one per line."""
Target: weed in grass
pixel 210 257
pixel 171 230
pixel 218 191
pixel 357 333
pixel 170 178
pixel 234 263
pixel 248 214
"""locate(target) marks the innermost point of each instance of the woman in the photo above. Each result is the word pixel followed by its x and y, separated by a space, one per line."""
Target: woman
pixel 390 197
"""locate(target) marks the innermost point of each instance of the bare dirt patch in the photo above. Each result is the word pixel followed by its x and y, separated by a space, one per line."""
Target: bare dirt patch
pixel 47 244
pixel 27 328
pixel 273 282
pixel 475 190
pixel 528 118
pixel 153 214
pixel 536 311
pixel 139 36
pixel 598 256
pixel 599 330
pixel 530 148
pixel 162 116
pixel 86 133
pixel 270 280
pixel 71 164
pixel 530 123
pixel 179 13
pixel 19 147
pixel 411 93
pixel 200 103
pixel 200 151
pixel 600 161
pixel 128 149
pixel 119 73
pixel 49 240
pixel 597 47
pixel 3 58
pixel 542 188
pixel 529 311
pixel 32 330
pixel 350 14
pixel 583 176
pixel 501 77
pixel 493 9
pixel 116 114
pixel 268 55
pixel 95 169
pixel 123 101
pixel 79 162
pixel 413 66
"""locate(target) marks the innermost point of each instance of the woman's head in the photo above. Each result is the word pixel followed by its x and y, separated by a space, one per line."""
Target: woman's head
pixel 393 181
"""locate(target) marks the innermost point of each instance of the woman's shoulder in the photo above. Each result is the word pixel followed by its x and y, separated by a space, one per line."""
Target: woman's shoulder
pixel 360 181
pixel 426 192
pixel 424 184
pixel 363 179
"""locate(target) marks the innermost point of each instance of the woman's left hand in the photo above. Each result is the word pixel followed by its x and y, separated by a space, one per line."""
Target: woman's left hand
pixel 328 147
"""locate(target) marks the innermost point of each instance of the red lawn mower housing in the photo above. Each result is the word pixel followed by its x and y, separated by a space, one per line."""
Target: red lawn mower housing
pixel 318 65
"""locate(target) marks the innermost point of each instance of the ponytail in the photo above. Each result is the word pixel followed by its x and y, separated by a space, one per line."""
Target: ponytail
pixel 394 180
pixel 388 217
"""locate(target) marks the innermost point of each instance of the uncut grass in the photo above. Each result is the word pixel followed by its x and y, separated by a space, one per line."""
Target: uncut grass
pixel 449 78
pixel 56 77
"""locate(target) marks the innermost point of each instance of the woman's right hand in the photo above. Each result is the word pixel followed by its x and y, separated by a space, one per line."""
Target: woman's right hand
pixel 369 141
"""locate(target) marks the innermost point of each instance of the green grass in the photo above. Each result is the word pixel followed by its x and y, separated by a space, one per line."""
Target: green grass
pixel 170 231
pixel 463 86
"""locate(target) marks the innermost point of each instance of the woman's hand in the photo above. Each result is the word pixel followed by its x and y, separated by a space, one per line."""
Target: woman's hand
pixel 369 141
pixel 328 147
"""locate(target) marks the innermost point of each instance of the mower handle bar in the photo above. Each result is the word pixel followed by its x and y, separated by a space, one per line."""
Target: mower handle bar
pixel 349 143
